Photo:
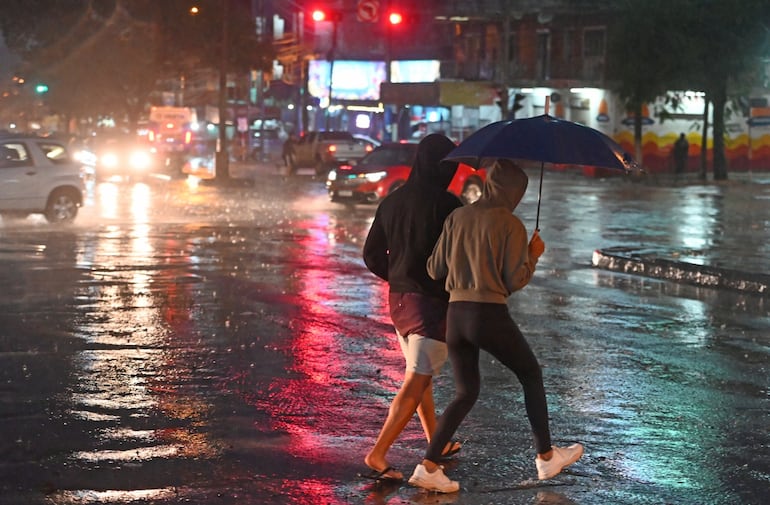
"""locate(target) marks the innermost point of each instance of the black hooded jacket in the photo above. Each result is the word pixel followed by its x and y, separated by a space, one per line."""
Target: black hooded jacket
pixel 408 222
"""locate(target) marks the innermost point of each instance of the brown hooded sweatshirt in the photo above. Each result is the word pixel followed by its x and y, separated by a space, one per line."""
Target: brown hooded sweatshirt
pixel 483 248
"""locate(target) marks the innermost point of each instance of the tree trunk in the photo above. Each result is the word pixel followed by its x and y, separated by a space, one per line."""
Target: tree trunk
pixel 704 138
pixel 638 134
pixel 720 162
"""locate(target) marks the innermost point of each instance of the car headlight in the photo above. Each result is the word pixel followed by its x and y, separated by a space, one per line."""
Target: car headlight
pixel 332 175
pixel 139 160
pixel 376 176
pixel 109 160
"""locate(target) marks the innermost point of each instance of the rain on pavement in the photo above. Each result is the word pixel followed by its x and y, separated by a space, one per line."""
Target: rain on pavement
pixel 186 343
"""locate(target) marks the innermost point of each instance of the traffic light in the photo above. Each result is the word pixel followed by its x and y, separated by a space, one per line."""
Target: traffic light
pixel 395 18
pixel 41 88
pixel 319 15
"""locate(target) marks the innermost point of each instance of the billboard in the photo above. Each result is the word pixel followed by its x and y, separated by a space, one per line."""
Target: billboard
pixel 352 80
pixel 415 71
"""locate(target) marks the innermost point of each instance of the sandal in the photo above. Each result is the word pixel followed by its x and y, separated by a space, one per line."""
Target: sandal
pixel 383 476
pixel 454 447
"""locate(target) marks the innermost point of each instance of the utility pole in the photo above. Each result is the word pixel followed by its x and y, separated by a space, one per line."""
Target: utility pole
pixel 222 161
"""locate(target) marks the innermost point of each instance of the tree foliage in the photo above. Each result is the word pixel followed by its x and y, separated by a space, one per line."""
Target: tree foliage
pixel 647 54
pixel 106 57
pixel 706 45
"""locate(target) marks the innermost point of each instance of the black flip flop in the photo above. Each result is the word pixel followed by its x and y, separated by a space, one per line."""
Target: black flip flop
pixel 381 476
pixel 455 447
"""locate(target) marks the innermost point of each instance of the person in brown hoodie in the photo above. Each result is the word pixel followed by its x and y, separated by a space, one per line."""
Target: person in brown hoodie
pixel 484 255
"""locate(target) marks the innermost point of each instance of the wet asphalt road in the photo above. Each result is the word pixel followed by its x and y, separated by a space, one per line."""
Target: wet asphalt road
pixel 201 344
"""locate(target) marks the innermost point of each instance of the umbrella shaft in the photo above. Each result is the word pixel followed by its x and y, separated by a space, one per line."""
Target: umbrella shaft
pixel 539 196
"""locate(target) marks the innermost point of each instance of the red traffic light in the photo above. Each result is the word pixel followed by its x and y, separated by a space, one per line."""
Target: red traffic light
pixel 318 15
pixel 395 18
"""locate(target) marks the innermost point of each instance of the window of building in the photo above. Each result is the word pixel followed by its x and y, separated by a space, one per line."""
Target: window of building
pixel 593 42
pixel 543 55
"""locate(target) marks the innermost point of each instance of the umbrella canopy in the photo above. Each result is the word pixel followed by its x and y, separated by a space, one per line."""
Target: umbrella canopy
pixel 545 139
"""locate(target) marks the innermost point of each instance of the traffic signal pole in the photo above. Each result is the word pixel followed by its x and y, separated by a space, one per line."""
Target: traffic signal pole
pixel 330 57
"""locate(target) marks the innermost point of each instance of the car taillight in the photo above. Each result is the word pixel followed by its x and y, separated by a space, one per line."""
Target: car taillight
pixel 369 148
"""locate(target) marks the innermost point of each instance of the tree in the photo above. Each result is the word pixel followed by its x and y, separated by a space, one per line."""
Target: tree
pixel 221 34
pixel 729 39
pixel 709 45
pixel 106 57
pixel 94 58
pixel 646 45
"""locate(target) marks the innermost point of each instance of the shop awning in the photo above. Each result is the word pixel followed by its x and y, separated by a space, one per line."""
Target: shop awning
pixel 411 93
pixel 440 93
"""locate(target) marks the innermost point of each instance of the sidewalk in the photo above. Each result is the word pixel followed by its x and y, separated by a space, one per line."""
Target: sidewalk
pixel 735 259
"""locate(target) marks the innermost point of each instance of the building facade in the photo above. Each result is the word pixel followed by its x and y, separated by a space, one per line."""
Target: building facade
pixel 453 66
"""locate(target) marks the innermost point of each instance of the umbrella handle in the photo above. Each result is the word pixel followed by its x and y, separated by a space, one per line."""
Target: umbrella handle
pixel 539 196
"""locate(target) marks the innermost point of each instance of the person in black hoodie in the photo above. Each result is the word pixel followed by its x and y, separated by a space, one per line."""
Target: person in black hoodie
pixel 406 225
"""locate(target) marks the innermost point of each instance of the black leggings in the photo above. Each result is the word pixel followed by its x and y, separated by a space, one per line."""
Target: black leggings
pixel 472 326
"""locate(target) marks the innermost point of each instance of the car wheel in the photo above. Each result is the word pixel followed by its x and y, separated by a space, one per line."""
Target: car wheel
pixel 471 191
pixel 62 206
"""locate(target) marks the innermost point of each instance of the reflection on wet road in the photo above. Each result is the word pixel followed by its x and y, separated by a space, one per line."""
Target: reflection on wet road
pixel 196 344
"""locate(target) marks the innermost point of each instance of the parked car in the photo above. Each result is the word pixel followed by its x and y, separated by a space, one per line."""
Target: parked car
pixel 386 169
pixel 325 150
pixel 124 155
pixel 38 176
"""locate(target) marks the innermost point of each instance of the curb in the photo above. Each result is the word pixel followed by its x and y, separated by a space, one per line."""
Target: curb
pixel 631 261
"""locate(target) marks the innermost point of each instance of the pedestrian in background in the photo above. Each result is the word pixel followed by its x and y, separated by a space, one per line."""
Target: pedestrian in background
pixel 403 233
pixel 484 255
pixel 287 151
pixel 681 151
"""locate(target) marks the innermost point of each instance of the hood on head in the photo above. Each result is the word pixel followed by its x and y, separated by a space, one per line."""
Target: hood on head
pixel 428 167
pixel 505 185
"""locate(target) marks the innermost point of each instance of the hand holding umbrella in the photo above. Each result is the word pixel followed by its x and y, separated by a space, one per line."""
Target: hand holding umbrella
pixel 536 246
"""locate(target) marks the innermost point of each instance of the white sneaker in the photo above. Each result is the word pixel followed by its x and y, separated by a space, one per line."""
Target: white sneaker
pixel 562 458
pixel 435 481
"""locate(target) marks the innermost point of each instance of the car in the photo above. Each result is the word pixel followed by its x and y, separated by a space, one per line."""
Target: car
pixel 368 142
pixel 38 176
pixel 387 168
pixel 120 155
pixel 325 150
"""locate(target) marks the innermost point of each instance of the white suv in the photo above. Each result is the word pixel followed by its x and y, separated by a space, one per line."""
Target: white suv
pixel 37 175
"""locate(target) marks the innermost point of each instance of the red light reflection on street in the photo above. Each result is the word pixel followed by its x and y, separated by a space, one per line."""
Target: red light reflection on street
pixel 313 405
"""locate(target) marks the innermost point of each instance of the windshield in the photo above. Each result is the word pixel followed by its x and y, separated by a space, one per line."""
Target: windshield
pixel 401 154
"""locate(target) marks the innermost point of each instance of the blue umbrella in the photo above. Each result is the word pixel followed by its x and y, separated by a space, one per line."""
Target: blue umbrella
pixel 545 139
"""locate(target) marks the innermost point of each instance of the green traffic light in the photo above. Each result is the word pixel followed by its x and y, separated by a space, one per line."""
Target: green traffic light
pixel 41 88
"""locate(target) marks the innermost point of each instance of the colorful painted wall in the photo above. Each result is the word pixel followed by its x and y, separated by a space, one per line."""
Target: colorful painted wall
pixel 747 142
